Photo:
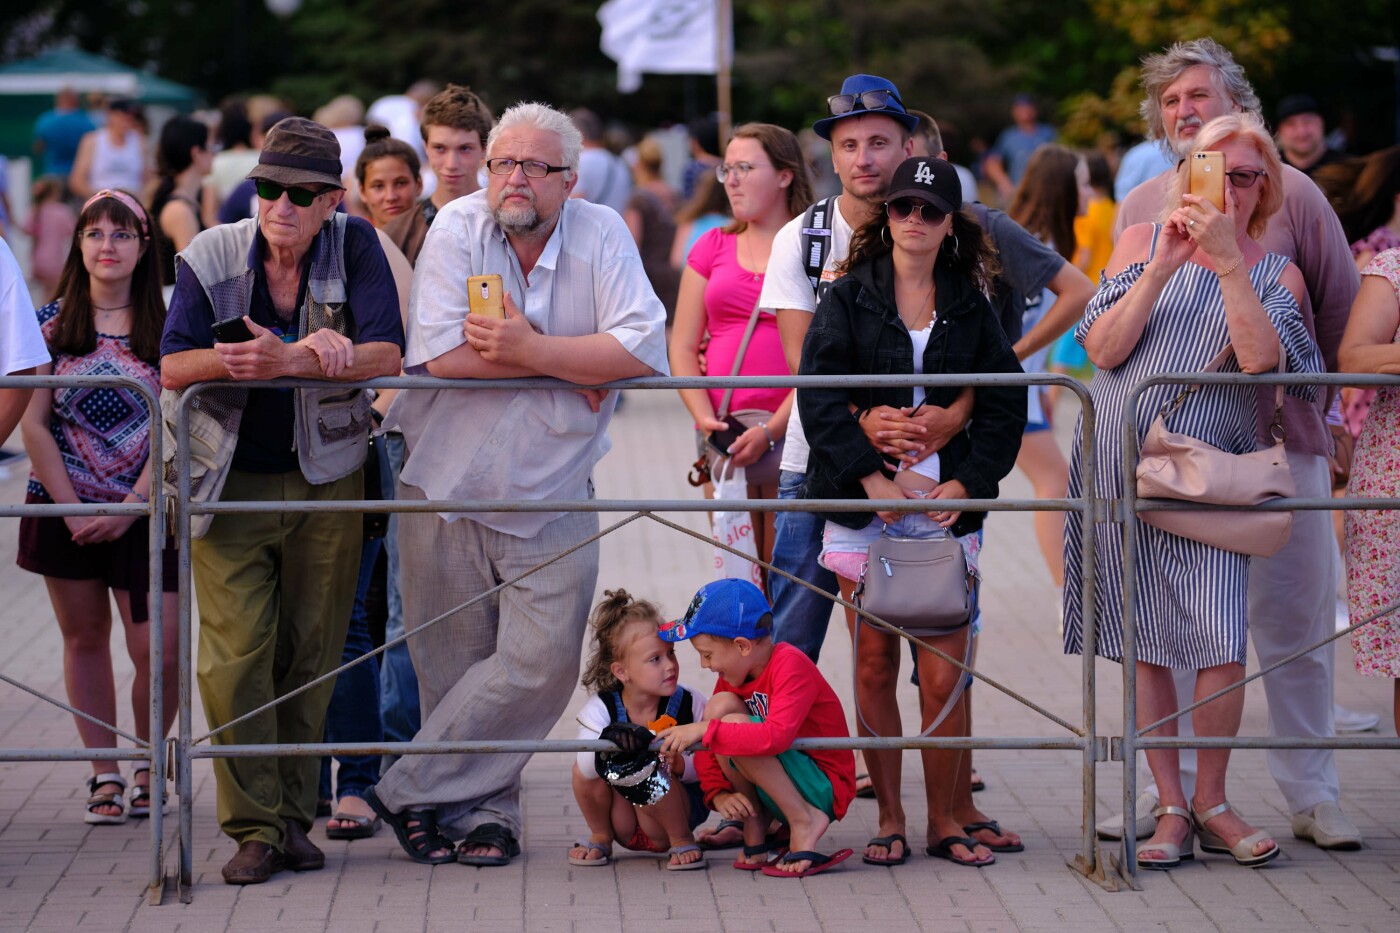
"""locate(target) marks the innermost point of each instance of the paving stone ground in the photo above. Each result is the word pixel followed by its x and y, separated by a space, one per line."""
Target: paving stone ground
pixel 58 874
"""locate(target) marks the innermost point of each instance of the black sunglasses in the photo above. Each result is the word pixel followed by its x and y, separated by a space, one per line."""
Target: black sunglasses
pixel 901 209
pixel 301 197
pixel 870 100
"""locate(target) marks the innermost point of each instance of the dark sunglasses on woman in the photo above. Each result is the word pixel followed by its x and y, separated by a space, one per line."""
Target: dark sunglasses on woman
pixel 901 208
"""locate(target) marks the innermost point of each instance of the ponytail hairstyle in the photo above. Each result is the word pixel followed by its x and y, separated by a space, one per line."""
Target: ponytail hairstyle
pixel 74 331
pixel 178 137
pixel 610 619
pixel 380 145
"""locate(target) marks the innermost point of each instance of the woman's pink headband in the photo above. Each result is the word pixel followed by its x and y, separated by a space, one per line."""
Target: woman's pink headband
pixel 131 203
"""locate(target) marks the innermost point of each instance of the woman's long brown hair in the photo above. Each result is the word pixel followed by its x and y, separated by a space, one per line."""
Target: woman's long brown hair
pixel 74 332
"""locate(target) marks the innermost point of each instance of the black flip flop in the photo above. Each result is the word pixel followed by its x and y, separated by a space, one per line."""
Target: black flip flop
pixel 995 827
pixel 888 843
pixel 417 840
pixel 723 825
pixel 944 849
pixel 489 834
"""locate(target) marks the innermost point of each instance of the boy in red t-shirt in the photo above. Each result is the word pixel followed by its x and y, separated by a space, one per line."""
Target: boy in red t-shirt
pixel 767 695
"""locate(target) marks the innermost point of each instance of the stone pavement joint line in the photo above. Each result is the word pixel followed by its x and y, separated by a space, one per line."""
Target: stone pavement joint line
pixel 57 874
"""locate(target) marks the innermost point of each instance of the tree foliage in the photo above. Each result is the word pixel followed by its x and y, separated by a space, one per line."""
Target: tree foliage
pixel 961 60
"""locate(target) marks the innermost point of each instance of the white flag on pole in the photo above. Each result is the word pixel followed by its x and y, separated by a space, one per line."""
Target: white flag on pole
pixel 660 37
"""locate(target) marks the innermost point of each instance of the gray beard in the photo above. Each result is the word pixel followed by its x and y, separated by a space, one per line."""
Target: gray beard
pixel 518 221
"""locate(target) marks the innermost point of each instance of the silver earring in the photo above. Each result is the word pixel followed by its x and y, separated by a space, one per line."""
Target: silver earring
pixel 883 238
pixel 955 243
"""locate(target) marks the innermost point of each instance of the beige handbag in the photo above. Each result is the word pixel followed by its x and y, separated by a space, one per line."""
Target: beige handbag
pixel 1175 466
pixel 923 586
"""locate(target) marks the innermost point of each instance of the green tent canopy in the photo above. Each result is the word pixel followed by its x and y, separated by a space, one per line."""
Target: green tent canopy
pixel 27 89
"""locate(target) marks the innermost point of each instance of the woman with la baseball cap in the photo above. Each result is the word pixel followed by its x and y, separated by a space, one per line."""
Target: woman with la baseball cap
pixel 913 302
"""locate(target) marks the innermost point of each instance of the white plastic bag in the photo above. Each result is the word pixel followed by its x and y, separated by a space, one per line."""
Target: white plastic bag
pixel 734 528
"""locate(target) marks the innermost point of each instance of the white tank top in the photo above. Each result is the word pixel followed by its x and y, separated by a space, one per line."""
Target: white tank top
pixel 117 166
pixel 929 465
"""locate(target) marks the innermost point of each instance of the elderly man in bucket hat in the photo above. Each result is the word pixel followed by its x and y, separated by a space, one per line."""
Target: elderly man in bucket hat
pixel 305 292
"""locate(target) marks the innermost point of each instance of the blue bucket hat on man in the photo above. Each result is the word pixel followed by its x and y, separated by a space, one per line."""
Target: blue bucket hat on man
pixel 862 94
pixel 726 608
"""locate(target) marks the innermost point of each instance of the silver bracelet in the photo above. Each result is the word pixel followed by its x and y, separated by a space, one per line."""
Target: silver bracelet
pixel 766 433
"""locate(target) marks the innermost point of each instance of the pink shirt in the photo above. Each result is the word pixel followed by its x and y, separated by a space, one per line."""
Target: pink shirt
pixel 731 292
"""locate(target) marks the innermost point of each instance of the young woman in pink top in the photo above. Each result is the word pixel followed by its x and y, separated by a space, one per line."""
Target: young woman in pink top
pixel 765 176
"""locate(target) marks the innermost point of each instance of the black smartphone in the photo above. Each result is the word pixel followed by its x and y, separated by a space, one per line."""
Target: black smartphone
pixel 232 331
pixel 720 441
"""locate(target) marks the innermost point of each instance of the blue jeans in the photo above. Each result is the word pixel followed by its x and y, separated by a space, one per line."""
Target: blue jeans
pixel 800 617
pixel 398 683
pixel 353 714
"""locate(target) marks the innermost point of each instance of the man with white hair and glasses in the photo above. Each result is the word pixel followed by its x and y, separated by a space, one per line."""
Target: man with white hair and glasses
pixel 578 308
pixel 1292 594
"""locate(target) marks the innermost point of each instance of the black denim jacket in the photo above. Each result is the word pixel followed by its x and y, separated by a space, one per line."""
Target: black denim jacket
pixel 857 330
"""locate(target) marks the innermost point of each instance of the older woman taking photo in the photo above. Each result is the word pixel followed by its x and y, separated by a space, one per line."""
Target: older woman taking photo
pixel 1176 294
pixel 93 445
pixel 913 302
pixel 765 178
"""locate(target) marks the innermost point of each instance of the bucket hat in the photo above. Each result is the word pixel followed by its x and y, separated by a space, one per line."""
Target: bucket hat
pixel 298 151
pixel 855 88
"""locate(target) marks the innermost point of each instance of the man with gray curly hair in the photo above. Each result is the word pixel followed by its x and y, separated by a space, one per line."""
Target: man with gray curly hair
pixel 500 661
pixel 1292 594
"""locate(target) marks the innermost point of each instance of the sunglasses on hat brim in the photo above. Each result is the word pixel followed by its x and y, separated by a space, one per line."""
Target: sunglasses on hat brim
pixel 840 104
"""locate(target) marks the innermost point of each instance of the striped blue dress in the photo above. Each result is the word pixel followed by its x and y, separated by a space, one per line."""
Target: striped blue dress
pixel 1192 598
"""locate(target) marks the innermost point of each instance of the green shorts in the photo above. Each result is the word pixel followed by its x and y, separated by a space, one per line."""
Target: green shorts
pixel 807 776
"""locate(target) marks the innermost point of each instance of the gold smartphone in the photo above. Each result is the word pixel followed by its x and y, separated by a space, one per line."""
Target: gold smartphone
pixel 484 296
pixel 1208 177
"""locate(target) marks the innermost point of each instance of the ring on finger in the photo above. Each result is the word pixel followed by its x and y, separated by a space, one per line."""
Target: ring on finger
pixel 1190 223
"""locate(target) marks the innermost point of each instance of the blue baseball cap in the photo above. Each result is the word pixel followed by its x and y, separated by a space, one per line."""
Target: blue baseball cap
pixel 725 609
pixel 863 94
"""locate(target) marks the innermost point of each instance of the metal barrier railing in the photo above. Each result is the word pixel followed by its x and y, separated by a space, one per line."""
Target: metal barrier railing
pixel 148 751
pixel 185 747
pixel 1134 737
pixel 188 748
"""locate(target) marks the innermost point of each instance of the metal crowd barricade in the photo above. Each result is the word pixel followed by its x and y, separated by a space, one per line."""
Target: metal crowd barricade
pixel 187 747
pixel 148 751
pixel 1134 738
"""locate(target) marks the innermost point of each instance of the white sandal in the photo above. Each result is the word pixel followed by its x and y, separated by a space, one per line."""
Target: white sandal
pixel 91 816
pixel 1242 851
pixel 1174 854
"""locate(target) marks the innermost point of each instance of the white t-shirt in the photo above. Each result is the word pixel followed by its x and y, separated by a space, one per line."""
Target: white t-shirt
pixel 21 344
pixel 785 285
pixel 594 718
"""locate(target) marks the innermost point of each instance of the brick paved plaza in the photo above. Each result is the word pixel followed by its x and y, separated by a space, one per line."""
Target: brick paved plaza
pixel 58 874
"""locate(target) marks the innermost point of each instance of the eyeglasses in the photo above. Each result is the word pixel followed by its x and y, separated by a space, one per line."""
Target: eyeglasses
pixel 902 209
pixel 1245 177
pixel 97 237
pixel 870 100
pixel 739 170
pixel 301 197
pixel 533 168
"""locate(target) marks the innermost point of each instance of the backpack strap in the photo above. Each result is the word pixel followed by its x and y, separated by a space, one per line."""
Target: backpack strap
pixel 816 240
pixel 613 699
pixel 680 700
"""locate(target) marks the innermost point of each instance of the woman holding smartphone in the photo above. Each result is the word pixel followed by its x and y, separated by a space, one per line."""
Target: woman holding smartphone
pixel 765 177
pixel 1174 296
pixel 93 445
